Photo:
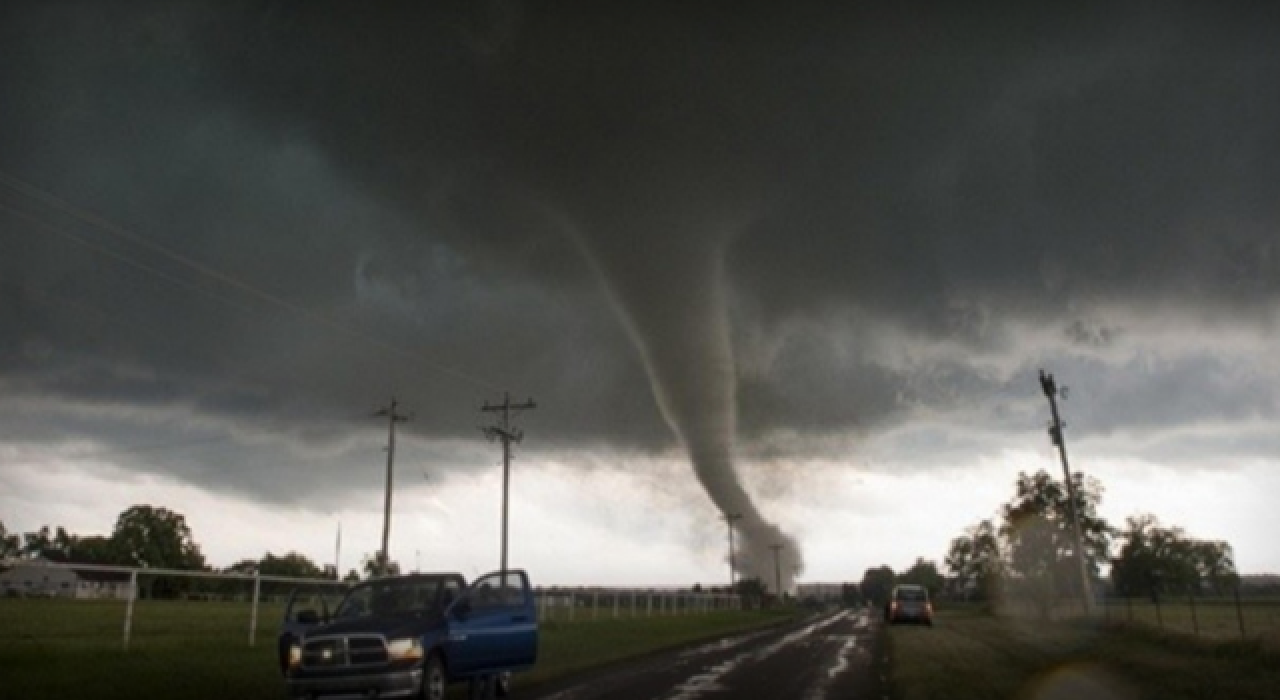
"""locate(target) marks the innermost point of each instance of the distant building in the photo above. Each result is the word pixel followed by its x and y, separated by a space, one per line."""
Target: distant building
pixel 820 591
pixel 37 578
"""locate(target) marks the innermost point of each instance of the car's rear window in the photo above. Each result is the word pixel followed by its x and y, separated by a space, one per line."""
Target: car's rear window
pixel 912 594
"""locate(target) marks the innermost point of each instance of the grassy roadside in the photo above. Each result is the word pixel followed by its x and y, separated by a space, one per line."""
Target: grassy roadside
pixel 972 655
pixel 57 649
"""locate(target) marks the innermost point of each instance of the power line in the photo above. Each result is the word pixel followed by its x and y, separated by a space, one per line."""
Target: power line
pixel 32 192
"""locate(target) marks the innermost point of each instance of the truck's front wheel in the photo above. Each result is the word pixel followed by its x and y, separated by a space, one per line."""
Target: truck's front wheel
pixel 433 679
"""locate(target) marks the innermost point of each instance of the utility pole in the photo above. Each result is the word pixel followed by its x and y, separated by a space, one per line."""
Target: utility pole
pixel 337 554
pixel 730 519
pixel 393 417
pixel 1051 392
pixel 777 570
pixel 504 432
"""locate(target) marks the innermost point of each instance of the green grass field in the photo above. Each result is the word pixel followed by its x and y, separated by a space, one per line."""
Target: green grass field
pixel 67 649
pixel 971 655
pixel 1213 618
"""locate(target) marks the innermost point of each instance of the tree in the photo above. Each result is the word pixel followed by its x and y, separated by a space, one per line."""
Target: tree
pixel 976 560
pixel 1217 565
pixel 10 544
pixel 352 576
pixel 1037 527
pixel 157 538
pixel 1156 559
pixel 877 584
pixel 923 573
pixel 850 594
pixel 372 569
pixel 38 543
pixel 292 564
pixel 94 549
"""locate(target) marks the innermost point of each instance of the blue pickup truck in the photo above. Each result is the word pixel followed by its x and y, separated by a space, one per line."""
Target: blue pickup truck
pixel 411 636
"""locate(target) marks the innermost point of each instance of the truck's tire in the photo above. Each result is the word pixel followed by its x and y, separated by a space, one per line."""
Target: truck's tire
pixel 502 684
pixel 434 680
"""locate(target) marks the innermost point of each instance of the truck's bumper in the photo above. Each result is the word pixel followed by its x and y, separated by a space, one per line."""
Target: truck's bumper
pixel 391 684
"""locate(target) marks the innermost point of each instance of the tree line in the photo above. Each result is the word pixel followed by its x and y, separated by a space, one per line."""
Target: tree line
pixel 1028 553
pixel 153 537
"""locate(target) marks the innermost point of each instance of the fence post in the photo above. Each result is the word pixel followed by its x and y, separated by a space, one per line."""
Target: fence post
pixel 595 604
pixel 1159 617
pixel 128 609
pixel 1128 601
pixel 1239 613
pixel 633 603
pixel 253 615
pixel 1195 620
pixel 615 604
pixel 573 604
pixel 648 608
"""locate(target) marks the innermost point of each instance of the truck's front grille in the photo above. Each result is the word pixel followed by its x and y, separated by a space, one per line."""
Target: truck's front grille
pixel 337 652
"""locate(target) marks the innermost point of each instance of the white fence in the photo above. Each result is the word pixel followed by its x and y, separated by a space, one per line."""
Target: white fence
pixel 554 603
pixel 595 603
pixel 130 592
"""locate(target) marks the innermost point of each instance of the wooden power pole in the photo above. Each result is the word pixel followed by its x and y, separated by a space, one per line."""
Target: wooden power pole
pixel 507 435
pixel 393 417
pixel 1051 391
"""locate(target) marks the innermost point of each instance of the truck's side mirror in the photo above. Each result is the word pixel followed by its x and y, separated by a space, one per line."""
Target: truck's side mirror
pixel 308 617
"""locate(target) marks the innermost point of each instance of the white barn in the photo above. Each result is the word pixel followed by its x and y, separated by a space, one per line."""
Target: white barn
pixel 36 578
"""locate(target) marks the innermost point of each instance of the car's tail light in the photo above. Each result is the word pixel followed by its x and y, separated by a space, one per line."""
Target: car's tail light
pixel 928 608
pixel 893 607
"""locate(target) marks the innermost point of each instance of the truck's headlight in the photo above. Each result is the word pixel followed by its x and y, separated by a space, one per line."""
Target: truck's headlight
pixel 295 656
pixel 404 649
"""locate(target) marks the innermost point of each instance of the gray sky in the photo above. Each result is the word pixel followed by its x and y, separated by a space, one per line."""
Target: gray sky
pixel 842 243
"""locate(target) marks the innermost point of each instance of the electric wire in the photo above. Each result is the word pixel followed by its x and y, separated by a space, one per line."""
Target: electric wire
pixel 32 192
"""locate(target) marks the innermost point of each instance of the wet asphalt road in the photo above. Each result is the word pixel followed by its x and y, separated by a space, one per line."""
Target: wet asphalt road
pixel 831 655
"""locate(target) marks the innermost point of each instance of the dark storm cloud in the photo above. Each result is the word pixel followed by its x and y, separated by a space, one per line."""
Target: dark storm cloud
pixel 966 181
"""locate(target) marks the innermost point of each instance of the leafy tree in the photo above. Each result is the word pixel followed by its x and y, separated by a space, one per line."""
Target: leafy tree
pixel 850 594
pixel 877 584
pixel 1217 566
pixel 94 549
pixel 10 544
pixel 749 587
pixel 923 573
pixel 1156 559
pixel 976 560
pixel 1037 527
pixel 156 537
pixel 292 564
pixel 352 576
pixel 38 543
pixel 372 568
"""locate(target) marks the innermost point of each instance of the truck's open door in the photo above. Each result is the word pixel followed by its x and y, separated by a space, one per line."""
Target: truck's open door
pixel 493 625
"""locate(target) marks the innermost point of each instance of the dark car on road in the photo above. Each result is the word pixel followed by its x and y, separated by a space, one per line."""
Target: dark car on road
pixel 909 603
pixel 411 636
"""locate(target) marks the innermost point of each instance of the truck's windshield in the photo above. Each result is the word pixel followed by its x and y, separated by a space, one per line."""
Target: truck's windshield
pixel 391 597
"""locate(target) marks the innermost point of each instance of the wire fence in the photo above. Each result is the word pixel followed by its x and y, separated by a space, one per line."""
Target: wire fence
pixel 1221 617
pixel 1217 617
